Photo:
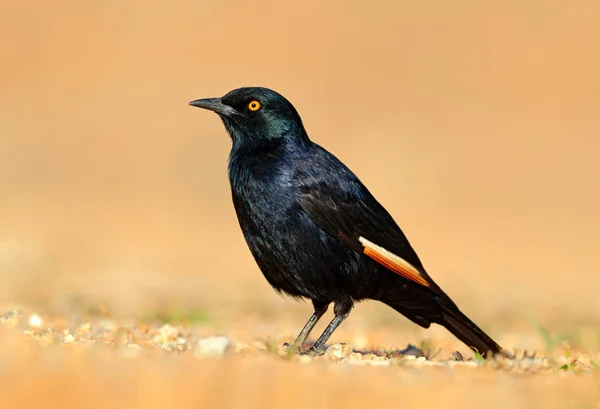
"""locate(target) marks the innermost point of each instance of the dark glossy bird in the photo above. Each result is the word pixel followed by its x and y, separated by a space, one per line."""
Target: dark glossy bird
pixel 315 230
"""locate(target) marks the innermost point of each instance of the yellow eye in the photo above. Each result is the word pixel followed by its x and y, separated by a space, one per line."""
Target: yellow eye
pixel 254 105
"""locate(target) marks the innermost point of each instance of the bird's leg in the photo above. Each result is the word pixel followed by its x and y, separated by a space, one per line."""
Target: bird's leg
pixel 320 309
pixel 342 310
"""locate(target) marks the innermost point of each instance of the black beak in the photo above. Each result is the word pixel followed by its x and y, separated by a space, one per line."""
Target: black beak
pixel 215 105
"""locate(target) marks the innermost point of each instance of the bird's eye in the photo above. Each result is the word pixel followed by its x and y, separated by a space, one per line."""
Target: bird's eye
pixel 254 105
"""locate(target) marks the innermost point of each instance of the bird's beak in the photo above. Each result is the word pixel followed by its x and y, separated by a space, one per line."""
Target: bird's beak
pixel 215 105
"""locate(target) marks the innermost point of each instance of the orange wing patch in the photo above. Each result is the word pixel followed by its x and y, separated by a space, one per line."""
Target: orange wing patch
pixel 389 260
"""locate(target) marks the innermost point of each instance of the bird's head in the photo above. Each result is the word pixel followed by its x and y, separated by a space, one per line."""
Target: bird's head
pixel 255 115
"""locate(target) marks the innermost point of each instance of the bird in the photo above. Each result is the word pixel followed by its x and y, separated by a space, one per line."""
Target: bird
pixel 314 229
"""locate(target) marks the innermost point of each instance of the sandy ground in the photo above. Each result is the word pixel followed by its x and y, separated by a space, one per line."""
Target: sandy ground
pixel 475 124
pixel 52 362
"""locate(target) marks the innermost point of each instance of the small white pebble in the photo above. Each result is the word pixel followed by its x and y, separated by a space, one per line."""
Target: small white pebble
pixel 338 351
pixel 167 334
pixel 35 321
pixel 213 346
pixel 68 339
pixel 356 356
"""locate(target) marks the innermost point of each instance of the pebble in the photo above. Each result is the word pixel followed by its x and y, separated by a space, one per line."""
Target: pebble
pixel 35 321
pixel 338 351
pixel 412 350
pixel 10 319
pixel 131 340
pixel 213 346
pixel 166 335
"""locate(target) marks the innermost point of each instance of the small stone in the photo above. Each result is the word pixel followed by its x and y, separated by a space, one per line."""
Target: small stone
pixel 356 356
pixel 68 339
pixel 420 360
pixel 338 351
pixel 166 335
pixel 9 315
pixel 213 346
pixel 35 321
pixel 527 364
pixel 10 319
pixel 412 350
pixel 241 348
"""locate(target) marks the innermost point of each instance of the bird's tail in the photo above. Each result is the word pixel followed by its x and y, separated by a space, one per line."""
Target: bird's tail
pixel 468 332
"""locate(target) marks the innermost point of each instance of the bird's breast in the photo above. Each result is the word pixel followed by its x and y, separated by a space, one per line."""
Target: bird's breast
pixel 294 255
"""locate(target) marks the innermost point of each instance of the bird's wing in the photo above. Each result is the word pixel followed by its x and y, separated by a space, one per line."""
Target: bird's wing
pixel 343 207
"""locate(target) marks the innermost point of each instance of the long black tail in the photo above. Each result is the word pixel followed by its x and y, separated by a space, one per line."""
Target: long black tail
pixel 464 329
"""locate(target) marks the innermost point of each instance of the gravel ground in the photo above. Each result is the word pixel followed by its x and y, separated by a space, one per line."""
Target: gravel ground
pixel 103 362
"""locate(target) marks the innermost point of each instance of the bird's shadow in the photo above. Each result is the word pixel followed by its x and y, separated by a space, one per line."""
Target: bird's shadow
pixel 410 350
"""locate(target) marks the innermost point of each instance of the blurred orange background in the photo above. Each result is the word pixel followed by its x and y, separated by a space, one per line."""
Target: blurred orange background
pixel 475 124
